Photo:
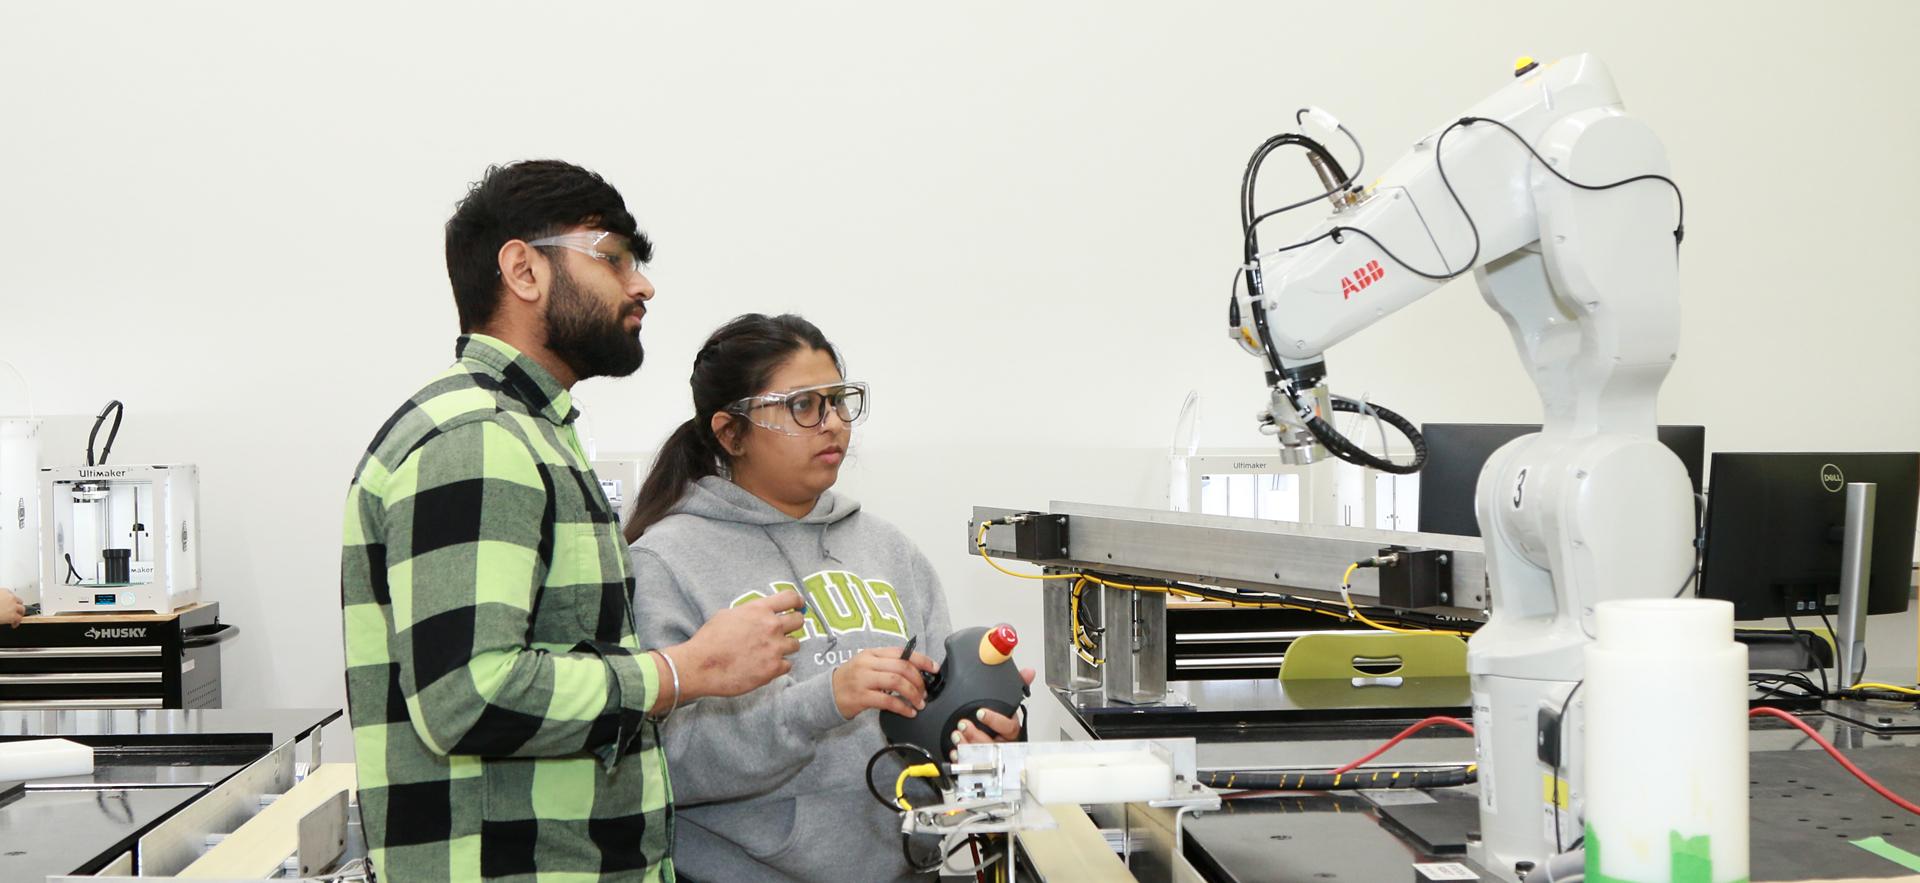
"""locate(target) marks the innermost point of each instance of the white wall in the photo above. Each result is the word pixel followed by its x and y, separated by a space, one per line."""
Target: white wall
pixel 1017 219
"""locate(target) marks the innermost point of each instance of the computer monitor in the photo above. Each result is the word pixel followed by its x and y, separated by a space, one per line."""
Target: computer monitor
pixel 1774 525
pixel 1456 452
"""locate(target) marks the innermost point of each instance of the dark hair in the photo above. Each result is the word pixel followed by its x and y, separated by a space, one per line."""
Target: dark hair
pixel 737 361
pixel 524 200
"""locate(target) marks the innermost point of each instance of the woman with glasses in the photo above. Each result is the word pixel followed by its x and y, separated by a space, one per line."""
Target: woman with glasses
pixel 738 506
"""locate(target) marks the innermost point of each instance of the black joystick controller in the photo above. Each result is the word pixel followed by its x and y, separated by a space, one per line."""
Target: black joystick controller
pixel 978 673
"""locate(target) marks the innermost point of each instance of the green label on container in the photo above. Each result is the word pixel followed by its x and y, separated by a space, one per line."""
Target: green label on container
pixel 1691 861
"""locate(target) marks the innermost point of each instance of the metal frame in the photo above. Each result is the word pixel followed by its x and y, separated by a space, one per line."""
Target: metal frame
pixel 1302 559
pixel 175 843
pixel 1299 559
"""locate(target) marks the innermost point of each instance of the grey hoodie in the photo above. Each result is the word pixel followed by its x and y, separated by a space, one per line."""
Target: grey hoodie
pixel 767 786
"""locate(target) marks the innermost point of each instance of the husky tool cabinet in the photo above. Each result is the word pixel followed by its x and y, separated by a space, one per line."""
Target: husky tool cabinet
pixel 140 660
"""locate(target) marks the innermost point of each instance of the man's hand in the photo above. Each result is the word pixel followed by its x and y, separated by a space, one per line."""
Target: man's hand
pixel 881 679
pixel 11 610
pixel 989 726
pixel 739 649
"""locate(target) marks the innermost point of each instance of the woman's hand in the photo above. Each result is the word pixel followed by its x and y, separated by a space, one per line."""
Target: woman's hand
pixel 881 679
pixel 11 610
pixel 989 726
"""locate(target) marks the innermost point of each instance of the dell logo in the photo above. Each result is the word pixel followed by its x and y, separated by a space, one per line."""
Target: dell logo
pixel 1831 478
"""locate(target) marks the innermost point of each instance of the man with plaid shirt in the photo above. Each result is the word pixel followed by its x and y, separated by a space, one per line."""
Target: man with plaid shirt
pixel 502 709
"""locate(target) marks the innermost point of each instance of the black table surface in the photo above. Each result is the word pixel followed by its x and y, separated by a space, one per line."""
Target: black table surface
pixel 77 832
pixel 1806 809
pixel 148 763
pixel 129 728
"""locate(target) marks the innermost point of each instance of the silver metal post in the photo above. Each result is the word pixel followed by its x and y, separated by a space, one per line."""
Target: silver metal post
pixel 1134 645
pixel 1856 557
pixel 1056 607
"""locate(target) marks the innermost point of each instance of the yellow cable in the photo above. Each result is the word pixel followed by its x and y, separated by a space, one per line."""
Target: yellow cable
pixel 981 541
pixel 1346 584
pixel 917 771
pixel 1387 628
pixel 900 790
pixel 1081 643
pixel 1875 685
pixel 1080 638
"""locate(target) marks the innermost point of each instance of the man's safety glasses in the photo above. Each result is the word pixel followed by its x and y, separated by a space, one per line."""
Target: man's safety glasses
pixel 600 245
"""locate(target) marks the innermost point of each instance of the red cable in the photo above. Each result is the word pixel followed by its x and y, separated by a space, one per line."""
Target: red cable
pixel 1833 752
pixel 1456 723
pixel 1878 788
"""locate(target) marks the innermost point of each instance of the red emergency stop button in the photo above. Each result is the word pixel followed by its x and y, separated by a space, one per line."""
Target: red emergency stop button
pixel 996 646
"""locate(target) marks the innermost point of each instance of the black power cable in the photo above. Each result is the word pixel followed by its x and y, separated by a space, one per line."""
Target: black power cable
pixel 1699 544
pixel 1772 685
pixel 906 849
pixel 1825 688
pixel 1334 441
pixel 1249 182
pixel 899 748
pixel 1322 431
pixel 1351 781
pixel 117 410
pixel 1559 750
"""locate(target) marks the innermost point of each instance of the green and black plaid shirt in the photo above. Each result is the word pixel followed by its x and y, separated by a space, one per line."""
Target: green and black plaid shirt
pixel 497 693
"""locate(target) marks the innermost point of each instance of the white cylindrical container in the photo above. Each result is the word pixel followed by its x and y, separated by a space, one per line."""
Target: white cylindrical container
pixel 1666 744
pixel 20 508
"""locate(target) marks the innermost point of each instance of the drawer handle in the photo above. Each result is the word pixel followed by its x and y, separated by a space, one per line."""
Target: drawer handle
pixel 55 704
pixel 78 652
pixel 84 677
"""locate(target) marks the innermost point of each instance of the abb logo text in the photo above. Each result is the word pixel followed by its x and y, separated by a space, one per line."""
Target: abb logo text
pixel 1357 281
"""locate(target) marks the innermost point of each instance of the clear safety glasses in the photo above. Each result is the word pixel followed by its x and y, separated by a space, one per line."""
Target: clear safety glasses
pixel 795 410
pixel 600 245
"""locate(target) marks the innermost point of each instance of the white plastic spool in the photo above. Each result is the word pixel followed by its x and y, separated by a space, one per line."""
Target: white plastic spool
pixel 20 508
pixel 1666 743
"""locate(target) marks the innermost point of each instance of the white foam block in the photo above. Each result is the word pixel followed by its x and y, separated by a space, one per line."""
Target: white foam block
pixel 44 759
pixel 1110 777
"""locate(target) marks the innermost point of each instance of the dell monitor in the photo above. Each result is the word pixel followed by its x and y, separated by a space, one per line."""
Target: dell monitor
pixel 1775 525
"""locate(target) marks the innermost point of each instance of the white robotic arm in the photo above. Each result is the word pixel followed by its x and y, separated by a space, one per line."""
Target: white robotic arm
pixel 1593 507
pixel 1467 195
